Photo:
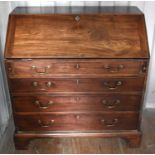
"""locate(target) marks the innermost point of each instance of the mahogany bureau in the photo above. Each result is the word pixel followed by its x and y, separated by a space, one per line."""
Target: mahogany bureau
pixel 76 72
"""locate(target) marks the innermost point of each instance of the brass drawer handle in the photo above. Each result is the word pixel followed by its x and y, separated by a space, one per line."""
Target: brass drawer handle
pixel 111 105
pixel 144 67
pixel 37 103
pixel 110 123
pixel 114 86
pixel 77 18
pixel 49 84
pixel 45 124
pixel 9 69
pixel 35 83
pixel 44 70
pixel 112 69
pixel 77 117
pixel 77 99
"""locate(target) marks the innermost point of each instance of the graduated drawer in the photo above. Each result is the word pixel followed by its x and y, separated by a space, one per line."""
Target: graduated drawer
pixel 134 84
pixel 105 102
pixel 77 121
pixel 66 67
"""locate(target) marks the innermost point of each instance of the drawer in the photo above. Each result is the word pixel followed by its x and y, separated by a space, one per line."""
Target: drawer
pixel 77 85
pixel 77 121
pixel 106 102
pixel 93 67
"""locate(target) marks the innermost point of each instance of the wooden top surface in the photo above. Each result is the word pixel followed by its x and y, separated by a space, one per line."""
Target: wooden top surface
pixel 77 9
pixel 108 32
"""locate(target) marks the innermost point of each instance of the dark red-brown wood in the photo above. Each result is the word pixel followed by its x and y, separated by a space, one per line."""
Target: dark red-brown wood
pixel 77 36
pixel 77 85
pixel 50 103
pixel 77 122
pixel 80 70
pixel 74 67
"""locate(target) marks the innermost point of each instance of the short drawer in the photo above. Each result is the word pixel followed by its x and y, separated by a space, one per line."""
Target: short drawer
pixel 106 102
pixel 77 85
pixel 77 121
pixel 66 67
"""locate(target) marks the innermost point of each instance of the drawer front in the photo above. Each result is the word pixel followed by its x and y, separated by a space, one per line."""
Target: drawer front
pixel 75 122
pixel 48 68
pixel 46 103
pixel 77 85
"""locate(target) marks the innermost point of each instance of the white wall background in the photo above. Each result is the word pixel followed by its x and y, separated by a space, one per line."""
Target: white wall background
pixel 148 7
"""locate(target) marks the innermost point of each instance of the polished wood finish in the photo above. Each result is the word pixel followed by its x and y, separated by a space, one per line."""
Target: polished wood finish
pixel 77 74
pixel 94 36
pixel 84 145
pixel 53 103
pixel 74 68
pixel 77 85
pixel 77 121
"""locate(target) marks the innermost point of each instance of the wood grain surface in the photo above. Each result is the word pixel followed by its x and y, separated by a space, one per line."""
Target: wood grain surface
pixel 77 85
pixel 77 36
pixel 75 68
pixel 86 145
pixel 77 74
pixel 77 121
pixel 51 103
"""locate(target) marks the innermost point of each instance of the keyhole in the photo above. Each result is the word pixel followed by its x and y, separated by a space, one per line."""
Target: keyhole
pixel 77 82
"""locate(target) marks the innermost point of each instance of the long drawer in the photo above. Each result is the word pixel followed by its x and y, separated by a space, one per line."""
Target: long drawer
pixel 76 121
pixel 49 103
pixel 55 67
pixel 77 85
